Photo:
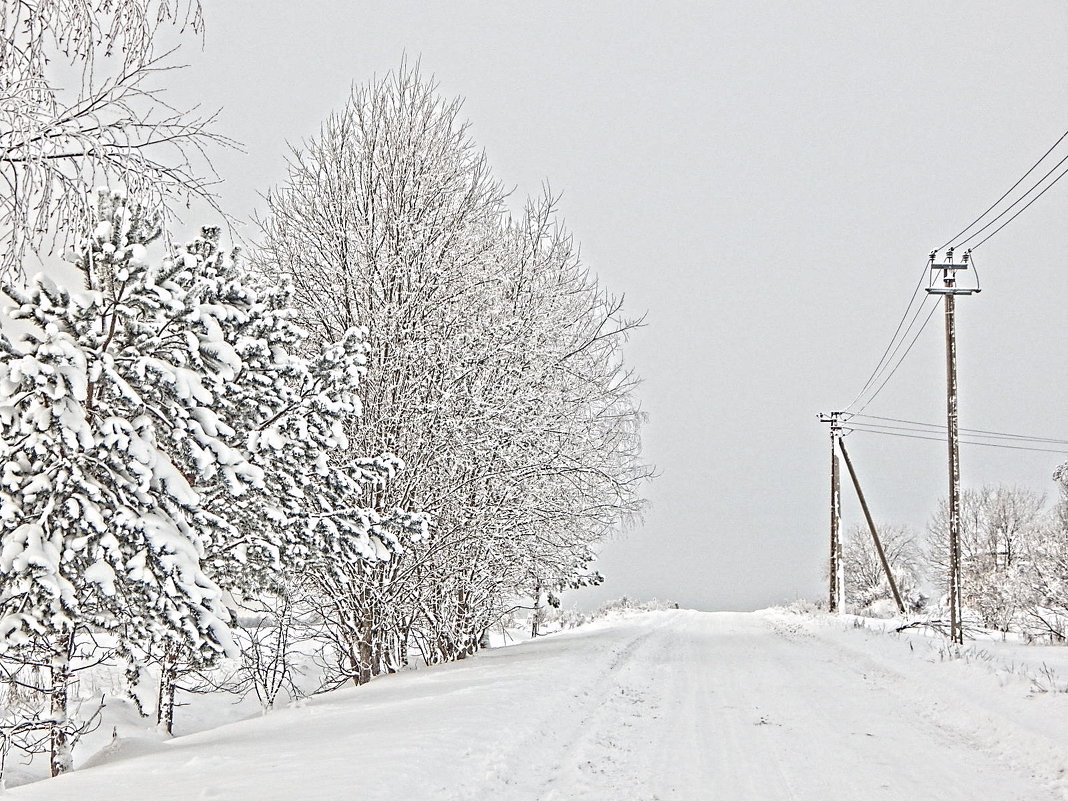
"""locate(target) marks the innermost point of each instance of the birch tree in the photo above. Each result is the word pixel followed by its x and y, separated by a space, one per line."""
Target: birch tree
pixel 81 107
pixel 554 414
pixel 385 221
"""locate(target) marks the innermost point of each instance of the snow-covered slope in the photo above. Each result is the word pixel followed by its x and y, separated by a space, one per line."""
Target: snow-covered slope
pixel 665 705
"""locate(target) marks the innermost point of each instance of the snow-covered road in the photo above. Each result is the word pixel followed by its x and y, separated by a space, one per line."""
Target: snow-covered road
pixel 669 705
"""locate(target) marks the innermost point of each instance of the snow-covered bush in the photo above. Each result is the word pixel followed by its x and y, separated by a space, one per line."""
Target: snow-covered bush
pixel 560 618
pixel 867 590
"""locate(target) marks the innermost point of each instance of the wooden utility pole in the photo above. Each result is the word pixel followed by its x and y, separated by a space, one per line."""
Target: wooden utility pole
pixel 949 291
pixel 836 584
pixel 871 527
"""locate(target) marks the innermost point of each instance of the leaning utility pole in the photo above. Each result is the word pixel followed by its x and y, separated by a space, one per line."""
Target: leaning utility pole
pixel 871 527
pixel 949 290
pixel 836 583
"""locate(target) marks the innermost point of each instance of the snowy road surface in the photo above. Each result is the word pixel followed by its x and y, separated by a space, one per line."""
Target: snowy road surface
pixel 669 705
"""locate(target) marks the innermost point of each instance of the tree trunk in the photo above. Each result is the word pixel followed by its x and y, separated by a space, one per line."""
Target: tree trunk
pixel 535 619
pixel 62 759
pixel 168 677
pixel 364 656
pixel 402 644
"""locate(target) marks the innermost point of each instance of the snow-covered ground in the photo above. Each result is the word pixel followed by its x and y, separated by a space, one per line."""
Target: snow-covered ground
pixel 658 705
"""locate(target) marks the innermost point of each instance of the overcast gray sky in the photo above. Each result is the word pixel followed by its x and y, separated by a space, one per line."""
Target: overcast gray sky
pixel 765 179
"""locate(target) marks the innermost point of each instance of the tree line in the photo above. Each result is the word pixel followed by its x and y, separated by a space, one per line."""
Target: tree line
pixel 1014 562
pixel 365 440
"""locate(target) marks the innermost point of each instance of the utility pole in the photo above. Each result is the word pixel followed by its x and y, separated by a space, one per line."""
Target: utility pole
pixel 871 527
pixel 836 583
pixel 949 291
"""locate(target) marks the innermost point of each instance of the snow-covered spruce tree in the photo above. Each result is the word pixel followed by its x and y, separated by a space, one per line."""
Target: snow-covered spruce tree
pixel 284 410
pixel 495 368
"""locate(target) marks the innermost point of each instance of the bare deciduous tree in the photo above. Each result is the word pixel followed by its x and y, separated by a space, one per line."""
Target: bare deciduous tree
pixel 1000 526
pixel 78 107
pixel 495 368
pixel 865 579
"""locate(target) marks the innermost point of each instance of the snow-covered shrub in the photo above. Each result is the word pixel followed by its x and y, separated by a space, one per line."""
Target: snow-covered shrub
pixel 276 634
pixel 867 590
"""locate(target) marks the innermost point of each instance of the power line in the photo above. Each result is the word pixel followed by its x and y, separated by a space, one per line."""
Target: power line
pixel 1007 193
pixel 890 362
pixel 901 359
pixel 1021 211
pixel 893 339
pixel 981 432
pixel 1012 205
pixel 883 366
pixel 940 430
pixel 871 430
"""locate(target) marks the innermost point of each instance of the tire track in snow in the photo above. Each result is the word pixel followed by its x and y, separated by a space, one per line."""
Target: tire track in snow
pixel 526 767
pixel 669 722
pixel 673 705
